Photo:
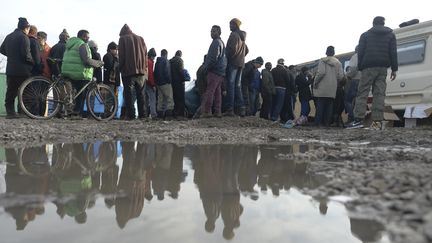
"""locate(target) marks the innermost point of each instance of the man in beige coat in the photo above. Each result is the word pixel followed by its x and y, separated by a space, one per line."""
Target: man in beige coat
pixel 328 75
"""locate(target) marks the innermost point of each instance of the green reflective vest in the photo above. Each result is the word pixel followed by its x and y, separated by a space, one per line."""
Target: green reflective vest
pixel 72 66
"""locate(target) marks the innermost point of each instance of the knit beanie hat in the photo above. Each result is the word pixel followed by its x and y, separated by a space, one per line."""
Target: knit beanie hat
pixel 236 21
pixel 259 60
pixel 23 23
pixel 64 35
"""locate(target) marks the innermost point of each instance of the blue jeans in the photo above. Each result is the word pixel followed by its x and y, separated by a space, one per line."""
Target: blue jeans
pixel 305 108
pixel 278 102
pixel 253 96
pixel 234 97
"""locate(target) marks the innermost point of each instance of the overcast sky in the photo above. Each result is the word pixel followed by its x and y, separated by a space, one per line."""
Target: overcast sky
pixel 297 31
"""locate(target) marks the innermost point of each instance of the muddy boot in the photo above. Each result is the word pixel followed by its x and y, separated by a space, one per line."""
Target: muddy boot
pixel 229 113
pixel 206 115
pixel 242 112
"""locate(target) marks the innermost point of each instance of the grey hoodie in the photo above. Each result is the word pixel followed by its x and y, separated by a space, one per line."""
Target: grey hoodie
pixel 328 75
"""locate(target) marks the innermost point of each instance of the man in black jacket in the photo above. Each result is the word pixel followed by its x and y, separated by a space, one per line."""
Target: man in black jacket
pixel 57 52
pixel 177 84
pixel 377 52
pixel 16 47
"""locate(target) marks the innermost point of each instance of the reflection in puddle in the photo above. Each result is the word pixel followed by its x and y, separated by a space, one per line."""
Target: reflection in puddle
pixel 128 191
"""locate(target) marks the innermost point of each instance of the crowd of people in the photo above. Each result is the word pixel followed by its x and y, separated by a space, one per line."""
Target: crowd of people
pixel 226 84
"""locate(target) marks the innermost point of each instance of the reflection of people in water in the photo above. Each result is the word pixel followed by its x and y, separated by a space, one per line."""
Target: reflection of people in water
pixel 74 179
pixel 132 183
pixel 109 175
pixel 248 171
pixel 162 168
pixel 208 176
pixel 366 230
pixel 27 173
pixel 176 176
pixel 231 209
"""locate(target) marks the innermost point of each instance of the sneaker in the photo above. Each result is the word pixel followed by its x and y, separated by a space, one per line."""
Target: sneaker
pixel 289 124
pixel 376 125
pixel 355 124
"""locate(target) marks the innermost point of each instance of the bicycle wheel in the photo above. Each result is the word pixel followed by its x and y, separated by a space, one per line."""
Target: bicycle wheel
pixel 101 102
pixel 38 98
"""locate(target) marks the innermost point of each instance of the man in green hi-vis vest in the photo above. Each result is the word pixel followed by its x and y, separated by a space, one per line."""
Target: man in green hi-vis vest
pixel 78 65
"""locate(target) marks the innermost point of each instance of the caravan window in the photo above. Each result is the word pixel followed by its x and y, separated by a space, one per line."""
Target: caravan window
pixel 412 52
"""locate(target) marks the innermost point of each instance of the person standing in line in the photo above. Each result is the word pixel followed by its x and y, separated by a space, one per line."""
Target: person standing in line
pixel 44 53
pixel 78 67
pixel 35 50
pixel 329 74
pixel 215 67
pixel 57 52
pixel 353 78
pixel 16 47
pixel 133 68
pixel 287 112
pixel 281 81
pixel 162 74
pixel 377 51
pixel 248 75
pixel 111 74
pixel 97 73
pixel 177 84
pixel 267 91
pixel 303 82
pixel 151 84
pixel 236 50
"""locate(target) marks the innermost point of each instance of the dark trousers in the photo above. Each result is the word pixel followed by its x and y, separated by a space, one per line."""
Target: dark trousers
pixel 287 112
pixel 13 84
pixel 324 111
pixel 134 83
pixel 266 105
pixel 79 101
pixel 178 89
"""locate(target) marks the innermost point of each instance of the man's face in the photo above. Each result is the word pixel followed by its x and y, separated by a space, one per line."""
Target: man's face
pixel 26 30
pixel 214 33
pixel 85 37
pixel 114 52
pixel 41 41
pixel 233 26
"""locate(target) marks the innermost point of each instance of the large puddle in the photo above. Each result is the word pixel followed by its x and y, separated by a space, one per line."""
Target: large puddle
pixel 134 192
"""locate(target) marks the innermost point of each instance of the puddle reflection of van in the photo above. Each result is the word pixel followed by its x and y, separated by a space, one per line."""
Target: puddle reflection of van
pixel 413 83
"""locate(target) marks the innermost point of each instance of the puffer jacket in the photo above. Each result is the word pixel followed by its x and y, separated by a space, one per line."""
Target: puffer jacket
pixel 377 48
pixel 328 75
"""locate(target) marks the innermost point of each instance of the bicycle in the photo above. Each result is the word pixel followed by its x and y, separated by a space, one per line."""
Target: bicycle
pixel 42 98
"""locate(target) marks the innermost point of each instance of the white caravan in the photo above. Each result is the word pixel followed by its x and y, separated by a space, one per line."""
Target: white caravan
pixel 411 91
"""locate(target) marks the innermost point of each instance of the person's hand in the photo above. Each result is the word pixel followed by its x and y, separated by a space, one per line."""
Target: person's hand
pixel 393 75
pixel 100 63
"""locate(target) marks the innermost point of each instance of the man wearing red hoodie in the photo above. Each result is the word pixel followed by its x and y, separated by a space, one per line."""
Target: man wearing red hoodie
pixel 150 89
pixel 133 67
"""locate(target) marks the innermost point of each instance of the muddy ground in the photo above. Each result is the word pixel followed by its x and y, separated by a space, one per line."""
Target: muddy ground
pixel 388 173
